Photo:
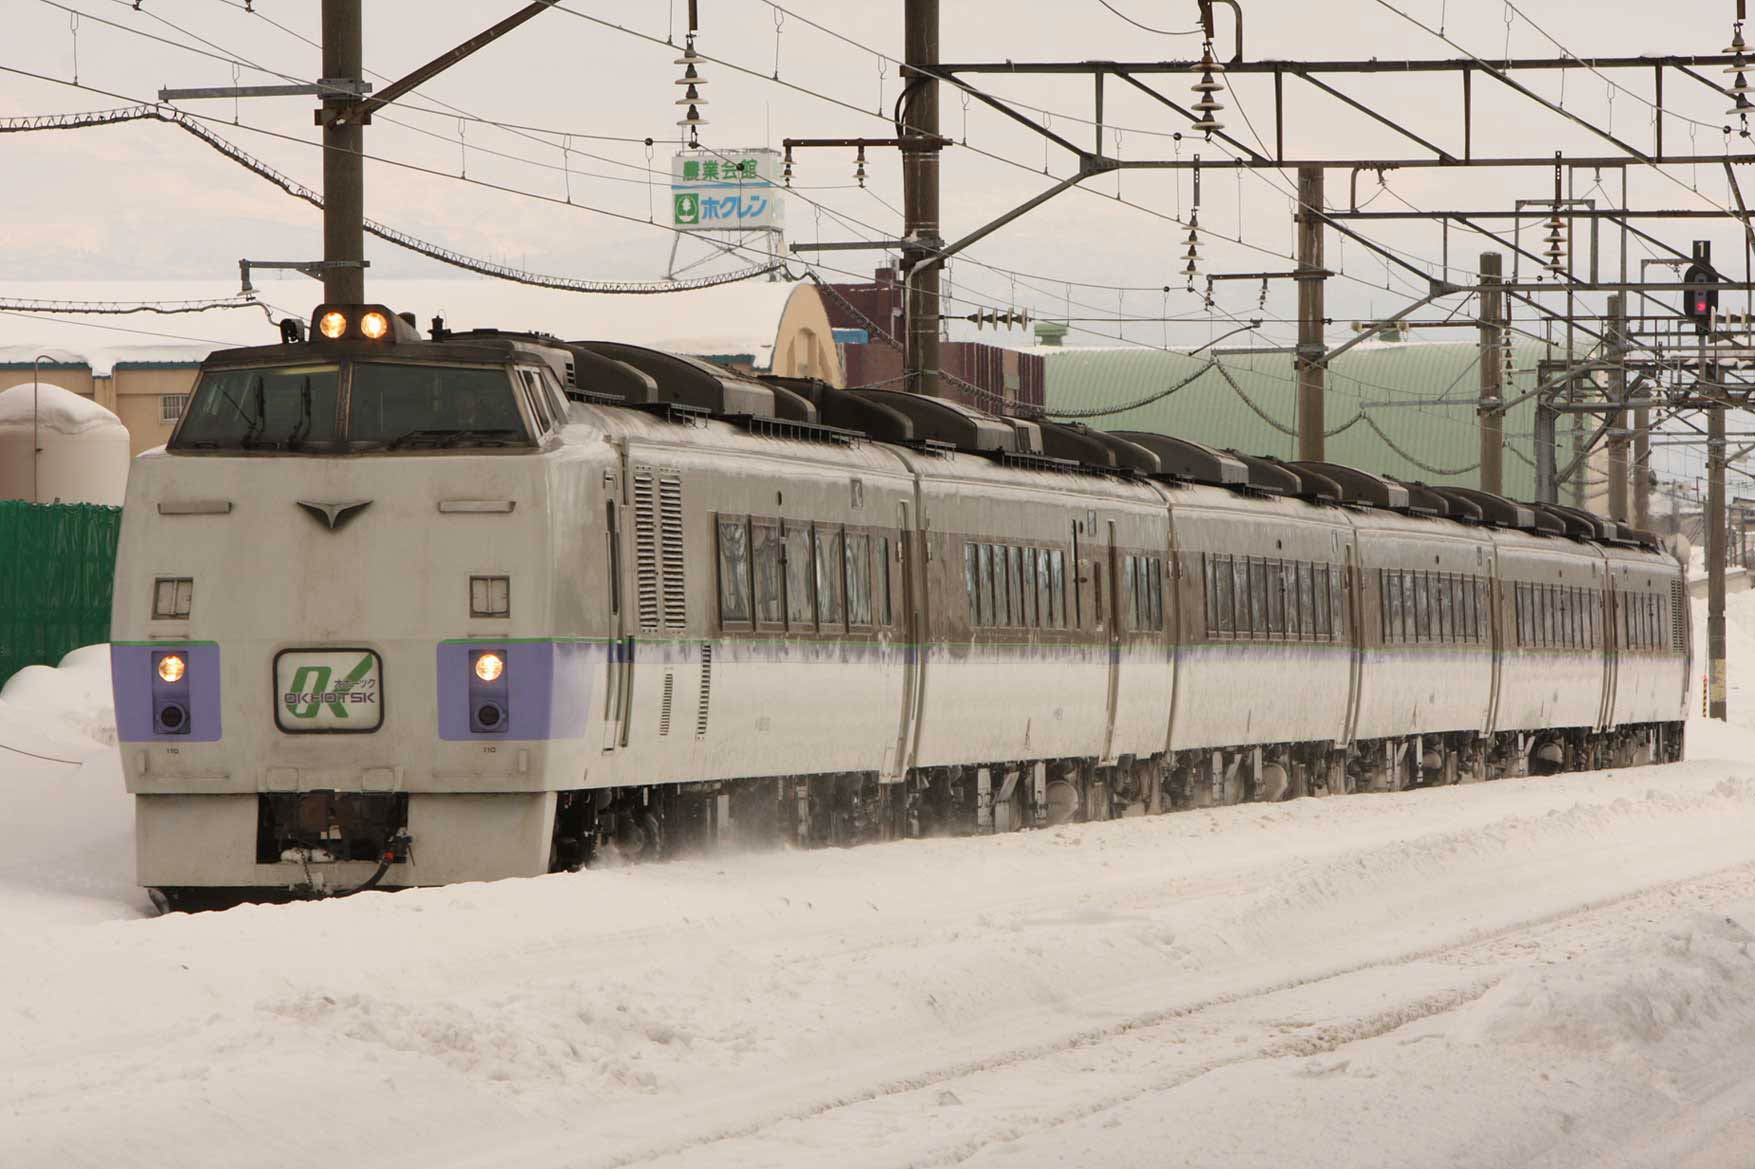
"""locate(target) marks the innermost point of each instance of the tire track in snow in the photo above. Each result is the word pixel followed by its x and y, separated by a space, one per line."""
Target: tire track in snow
pixel 1094 1036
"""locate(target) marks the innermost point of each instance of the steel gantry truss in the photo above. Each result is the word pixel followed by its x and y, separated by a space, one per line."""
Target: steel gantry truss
pixel 1630 365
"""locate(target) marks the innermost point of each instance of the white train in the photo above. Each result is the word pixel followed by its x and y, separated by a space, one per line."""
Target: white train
pixel 404 612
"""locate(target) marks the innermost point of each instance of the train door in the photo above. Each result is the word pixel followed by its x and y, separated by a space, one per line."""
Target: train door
pixel 1354 608
pixel 1110 589
pixel 618 691
pixel 910 635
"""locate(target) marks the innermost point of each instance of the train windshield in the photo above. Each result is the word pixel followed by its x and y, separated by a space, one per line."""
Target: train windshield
pixel 424 406
pixel 387 407
pixel 262 409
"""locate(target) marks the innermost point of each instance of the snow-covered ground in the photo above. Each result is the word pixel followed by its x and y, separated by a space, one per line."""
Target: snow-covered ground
pixel 1544 972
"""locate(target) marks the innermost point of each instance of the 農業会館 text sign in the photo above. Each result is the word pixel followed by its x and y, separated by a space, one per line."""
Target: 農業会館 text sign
pixel 725 190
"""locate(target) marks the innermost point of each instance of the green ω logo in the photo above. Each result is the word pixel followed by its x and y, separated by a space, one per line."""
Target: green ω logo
pixel 310 686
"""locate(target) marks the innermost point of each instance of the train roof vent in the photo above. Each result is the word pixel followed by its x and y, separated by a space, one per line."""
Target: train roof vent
pixel 1422 500
pixel 1028 433
pixel 1078 444
pixel 1599 527
pixel 1360 487
pixel 686 381
pixel 1552 523
pixel 1643 538
pixel 1313 484
pixel 594 373
pixel 1495 509
pixel 850 411
pixel 941 420
pixel 1269 475
pixel 1124 453
pixel 1178 458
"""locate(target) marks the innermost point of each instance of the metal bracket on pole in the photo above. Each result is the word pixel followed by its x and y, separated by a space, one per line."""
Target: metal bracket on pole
pixel 312 268
pixel 328 87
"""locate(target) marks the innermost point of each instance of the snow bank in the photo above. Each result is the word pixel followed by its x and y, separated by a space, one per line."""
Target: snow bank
pixel 68 855
pixel 1529 972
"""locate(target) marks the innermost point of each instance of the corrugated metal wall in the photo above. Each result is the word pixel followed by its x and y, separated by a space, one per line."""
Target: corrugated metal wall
pixel 1255 409
pixel 57 564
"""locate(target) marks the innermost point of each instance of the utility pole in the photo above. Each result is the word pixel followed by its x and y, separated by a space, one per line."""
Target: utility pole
pixel 344 163
pixel 1618 419
pixel 1491 410
pixel 1715 560
pixel 1312 351
pixel 920 232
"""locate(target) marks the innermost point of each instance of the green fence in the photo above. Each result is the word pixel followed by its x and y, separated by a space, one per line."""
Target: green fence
pixel 57 562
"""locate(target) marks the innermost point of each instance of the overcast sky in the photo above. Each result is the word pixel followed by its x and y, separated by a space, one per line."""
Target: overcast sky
pixel 148 201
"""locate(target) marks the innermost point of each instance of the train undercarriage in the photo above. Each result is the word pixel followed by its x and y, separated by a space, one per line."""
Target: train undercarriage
pixel 841 810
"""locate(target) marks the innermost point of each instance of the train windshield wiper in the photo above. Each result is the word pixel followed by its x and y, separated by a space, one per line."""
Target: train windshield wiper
pixel 444 437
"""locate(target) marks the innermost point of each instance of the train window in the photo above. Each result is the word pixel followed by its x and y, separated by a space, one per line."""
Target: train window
pixel 801 605
pixel 1258 620
pixel 1276 596
pixel 858 556
pixel 986 583
pixel 1044 595
pixel 1442 614
pixel 1027 586
pixel 734 570
pixel 1132 594
pixel 829 576
pixel 1391 585
pixel 536 401
pixel 1422 608
pixel 1015 584
pixel 1244 610
pixel 1218 594
pixel 1306 606
pixel 885 613
pixel 1483 611
pixel 768 559
pixel 397 406
pixel 261 409
pixel 1097 593
pixel 1002 596
pixel 1337 599
pixel 1157 592
pixel 1324 627
pixel 972 579
pixel 1057 588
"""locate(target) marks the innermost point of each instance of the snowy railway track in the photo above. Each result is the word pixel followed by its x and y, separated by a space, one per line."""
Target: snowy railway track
pixel 1160 1071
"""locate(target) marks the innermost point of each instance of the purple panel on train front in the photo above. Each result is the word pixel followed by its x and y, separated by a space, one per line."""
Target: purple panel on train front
pixel 548 690
pixel 134 683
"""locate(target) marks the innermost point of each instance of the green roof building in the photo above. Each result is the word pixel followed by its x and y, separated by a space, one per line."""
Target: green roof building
pixel 1248 402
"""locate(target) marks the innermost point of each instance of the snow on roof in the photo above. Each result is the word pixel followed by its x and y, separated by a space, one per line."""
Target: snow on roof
pixel 53 409
pixel 732 320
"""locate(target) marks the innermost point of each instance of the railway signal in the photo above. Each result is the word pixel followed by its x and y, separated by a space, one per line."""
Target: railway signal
pixel 1700 288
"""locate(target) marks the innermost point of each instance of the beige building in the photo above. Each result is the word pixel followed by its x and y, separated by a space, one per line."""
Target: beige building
pixel 147 395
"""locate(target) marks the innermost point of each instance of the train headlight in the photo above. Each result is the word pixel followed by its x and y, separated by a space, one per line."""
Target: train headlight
pixel 171 667
pixel 374 325
pixel 332 325
pixel 489 666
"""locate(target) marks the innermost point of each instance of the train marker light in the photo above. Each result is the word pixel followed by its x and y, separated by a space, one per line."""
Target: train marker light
pixel 374 325
pixel 171 667
pixel 489 666
pixel 332 325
